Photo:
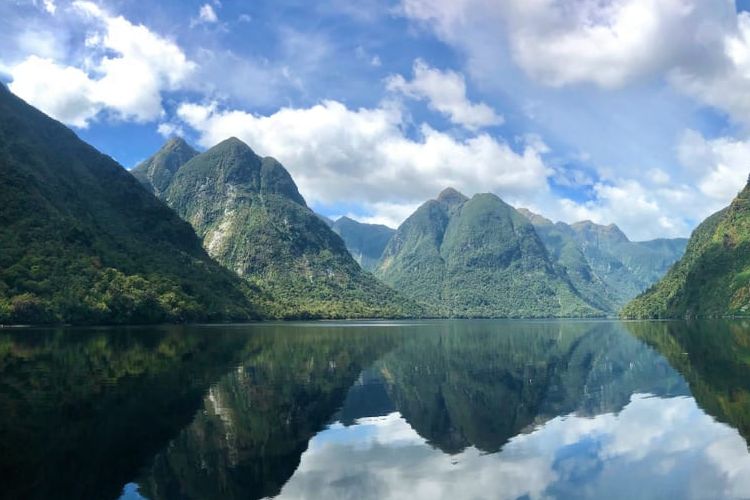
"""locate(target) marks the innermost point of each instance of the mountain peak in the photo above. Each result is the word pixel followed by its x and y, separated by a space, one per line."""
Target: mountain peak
pixel 156 173
pixel 611 232
pixel 233 143
pixel 175 141
pixel 451 197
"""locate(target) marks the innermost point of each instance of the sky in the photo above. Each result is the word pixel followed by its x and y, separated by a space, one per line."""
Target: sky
pixel 633 112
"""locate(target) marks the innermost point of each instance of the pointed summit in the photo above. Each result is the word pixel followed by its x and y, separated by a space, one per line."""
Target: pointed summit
pixel 156 173
pixel 451 197
pixel 233 144
pixel 253 220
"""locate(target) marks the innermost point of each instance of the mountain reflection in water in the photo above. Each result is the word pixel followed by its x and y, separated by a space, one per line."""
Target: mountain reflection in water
pixel 444 409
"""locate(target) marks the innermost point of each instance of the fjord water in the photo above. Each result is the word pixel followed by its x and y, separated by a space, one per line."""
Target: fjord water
pixel 443 409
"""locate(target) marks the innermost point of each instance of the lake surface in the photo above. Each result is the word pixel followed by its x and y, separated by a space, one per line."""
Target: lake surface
pixel 424 410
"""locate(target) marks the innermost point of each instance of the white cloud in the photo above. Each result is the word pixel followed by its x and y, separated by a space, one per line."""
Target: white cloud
pixel 728 86
pixel 206 14
pixel 720 166
pixel 63 92
pixel 50 7
pixel 167 129
pixel 364 156
pixel 607 43
pixel 445 92
pixel 125 71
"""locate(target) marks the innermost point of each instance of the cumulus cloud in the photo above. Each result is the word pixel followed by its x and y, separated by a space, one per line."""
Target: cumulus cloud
pixel 337 154
pixel 719 166
pixel 125 71
pixel 728 86
pixel 366 157
pixel 445 92
pixel 701 47
pixel 607 43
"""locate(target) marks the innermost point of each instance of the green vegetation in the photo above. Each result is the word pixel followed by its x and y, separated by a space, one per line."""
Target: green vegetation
pixel 365 242
pixel 156 173
pixel 713 278
pixel 253 220
pixel 603 264
pixel 82 242
pixel 714 358
pixel 81 411
pixel 478 258
pixel 256 422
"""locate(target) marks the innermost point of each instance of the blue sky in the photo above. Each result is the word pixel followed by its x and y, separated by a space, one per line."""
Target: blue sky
pixel 626 111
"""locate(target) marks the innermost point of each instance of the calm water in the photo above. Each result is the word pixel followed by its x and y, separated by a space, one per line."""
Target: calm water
pixel 463 409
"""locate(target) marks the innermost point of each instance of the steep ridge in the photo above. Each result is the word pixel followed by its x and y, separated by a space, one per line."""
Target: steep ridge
pixel 713 278
pixel 82 242
pixel 156 173
pixel 253 220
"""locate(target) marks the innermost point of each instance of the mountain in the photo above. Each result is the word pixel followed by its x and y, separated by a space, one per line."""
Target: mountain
pixel 713 278
pixel 478 257
pixel 253 220
pixel 365 242
pixel 603 264
pixel 83 242
pixel 156 173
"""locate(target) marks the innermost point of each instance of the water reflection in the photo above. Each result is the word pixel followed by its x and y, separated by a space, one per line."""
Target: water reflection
pixel 467 409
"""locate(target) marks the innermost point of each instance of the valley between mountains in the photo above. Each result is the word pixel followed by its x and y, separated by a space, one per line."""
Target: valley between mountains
pixel 225 235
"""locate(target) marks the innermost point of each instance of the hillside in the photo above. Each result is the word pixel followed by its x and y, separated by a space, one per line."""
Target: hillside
pixel 478 257
pixel 253 220
pixel 83 242
pixel 713 278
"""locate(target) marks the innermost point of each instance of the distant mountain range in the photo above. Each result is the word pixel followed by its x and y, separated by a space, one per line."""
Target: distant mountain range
pixel 602 263
pixel 713 277
pixel 83 242
pixel 253 220
pixel 583 268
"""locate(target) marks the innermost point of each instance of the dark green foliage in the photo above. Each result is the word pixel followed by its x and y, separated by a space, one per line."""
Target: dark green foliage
pixel 254 221
pixel 82 242
pixel 365 242
pixel 478 258
pixel 713 278
pixel 603 264
pixel 82 411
